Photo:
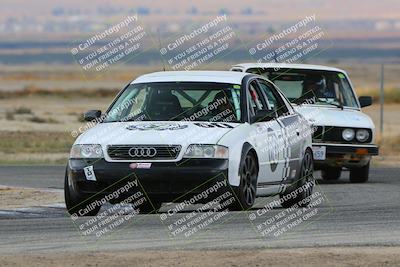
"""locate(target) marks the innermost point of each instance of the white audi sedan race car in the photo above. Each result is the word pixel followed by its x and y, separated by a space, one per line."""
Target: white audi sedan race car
pixel 180 134
pixel 343 135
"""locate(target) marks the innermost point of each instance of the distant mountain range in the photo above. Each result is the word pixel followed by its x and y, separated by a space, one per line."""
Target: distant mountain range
pixel 44 30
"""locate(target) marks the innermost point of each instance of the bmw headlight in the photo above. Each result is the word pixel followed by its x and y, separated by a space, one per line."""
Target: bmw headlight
pixel 86 152
pixel 348 134
pixel 207 151
pixel 362 135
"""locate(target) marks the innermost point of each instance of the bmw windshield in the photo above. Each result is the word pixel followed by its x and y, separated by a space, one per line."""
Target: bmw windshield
pixel 312 86
pixel 177 101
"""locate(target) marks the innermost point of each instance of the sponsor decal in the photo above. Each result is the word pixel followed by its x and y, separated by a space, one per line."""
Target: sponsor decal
pixel 213 125
pixel 156 127
pixel 141 165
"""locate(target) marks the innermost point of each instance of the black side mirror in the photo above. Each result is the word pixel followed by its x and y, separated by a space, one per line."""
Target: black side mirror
pixel 263 115
pixel 365 101
pixel 91 115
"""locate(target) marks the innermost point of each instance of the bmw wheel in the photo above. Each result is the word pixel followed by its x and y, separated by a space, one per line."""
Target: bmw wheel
pixel 331 173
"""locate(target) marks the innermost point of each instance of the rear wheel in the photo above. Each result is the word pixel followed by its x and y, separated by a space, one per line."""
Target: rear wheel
pixel 76 203
pixel 359 175
pixel 293 194
pixel 247 189
pixel 331 173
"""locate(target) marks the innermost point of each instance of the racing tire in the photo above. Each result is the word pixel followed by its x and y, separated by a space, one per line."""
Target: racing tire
pixel 331 173
pixel 305 181
pixel 74 201
pixel 247 190
pixel 359 175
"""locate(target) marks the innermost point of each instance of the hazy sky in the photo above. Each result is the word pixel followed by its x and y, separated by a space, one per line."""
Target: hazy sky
pixel 267 9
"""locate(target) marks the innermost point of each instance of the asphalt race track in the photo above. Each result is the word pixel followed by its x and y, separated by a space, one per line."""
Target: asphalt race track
pixel 350 215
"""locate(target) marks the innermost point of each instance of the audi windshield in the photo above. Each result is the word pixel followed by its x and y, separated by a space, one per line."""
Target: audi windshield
pixel 311 86
pixel 177 101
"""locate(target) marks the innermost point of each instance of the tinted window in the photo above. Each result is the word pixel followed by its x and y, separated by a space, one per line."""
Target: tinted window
pixel 311 86
pixel 255 99
pixel 274 100
pixel 172 101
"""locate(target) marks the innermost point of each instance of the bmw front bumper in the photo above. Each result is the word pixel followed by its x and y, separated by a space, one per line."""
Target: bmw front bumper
pixel 345 155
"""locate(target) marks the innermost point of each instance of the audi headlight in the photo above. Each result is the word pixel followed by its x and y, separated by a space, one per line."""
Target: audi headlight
pixel 348 134
pixel 86 152
pixel 207 151
pixel 362 135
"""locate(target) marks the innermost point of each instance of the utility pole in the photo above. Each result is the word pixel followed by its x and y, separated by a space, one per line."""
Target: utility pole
pixel 382 100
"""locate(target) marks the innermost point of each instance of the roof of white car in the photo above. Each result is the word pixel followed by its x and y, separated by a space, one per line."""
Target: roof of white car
pixel 286 66
pixel 192 76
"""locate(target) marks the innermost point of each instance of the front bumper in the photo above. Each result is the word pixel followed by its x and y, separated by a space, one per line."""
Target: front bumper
pixel 346 155
pixel 163 181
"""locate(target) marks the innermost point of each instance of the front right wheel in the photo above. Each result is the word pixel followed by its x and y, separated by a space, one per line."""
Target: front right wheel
pixel 247 189
pixel 76 203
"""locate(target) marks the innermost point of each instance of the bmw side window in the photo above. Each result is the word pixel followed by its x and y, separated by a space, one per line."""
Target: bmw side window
pixel 255 100
pixel 274 101
pixel 238 70
pixel 286 102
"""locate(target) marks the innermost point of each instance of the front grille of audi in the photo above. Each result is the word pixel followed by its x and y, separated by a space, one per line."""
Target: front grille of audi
pixel 143 152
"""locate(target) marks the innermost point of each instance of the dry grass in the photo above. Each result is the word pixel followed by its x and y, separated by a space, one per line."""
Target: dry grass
pixel 391 95
pixel 35 91
pixel 35 142
pixel 23 110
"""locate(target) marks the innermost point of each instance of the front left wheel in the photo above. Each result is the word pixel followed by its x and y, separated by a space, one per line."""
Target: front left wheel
pixel 359 175
pixel 331 173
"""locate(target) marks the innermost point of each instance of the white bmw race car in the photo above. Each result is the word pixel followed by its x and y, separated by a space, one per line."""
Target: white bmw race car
pixel 178 133
pixel 344 136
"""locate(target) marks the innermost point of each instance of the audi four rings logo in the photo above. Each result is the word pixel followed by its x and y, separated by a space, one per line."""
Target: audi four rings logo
pixel 145 152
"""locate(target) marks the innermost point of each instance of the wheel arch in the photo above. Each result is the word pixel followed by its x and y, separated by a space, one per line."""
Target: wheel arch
pixel 246 148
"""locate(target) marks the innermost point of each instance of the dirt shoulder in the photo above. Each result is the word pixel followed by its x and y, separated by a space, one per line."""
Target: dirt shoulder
pixel 336 256
pixel 14 197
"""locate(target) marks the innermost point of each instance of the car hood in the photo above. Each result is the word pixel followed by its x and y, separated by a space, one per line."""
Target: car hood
pixel 334 116
pixel 162 132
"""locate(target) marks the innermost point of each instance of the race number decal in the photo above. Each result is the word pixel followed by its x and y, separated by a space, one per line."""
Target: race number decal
pixel 273 151
pixel 89 173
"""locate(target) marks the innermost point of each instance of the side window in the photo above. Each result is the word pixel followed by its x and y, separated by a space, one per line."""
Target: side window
pixel 238 70
pixel 255 98
pixel 274 100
